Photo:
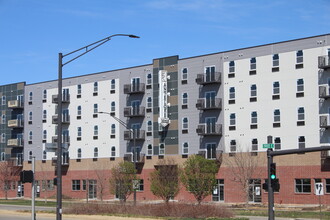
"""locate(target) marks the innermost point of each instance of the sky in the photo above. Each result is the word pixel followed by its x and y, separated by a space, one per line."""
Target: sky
pixel 33 32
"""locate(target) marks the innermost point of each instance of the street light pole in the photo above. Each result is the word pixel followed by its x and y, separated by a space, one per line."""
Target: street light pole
pixel 133 132
pixel 85 50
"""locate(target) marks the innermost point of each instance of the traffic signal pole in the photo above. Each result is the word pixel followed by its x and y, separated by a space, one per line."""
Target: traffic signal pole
pixel 270 155
pixel 270 188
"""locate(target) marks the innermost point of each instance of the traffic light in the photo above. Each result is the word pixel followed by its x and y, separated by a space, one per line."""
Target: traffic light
pixel 26 176
pixel 55 181
pixel 272 171
pixel 276 185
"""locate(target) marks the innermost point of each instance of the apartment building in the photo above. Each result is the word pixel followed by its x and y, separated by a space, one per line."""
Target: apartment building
pixel 216 105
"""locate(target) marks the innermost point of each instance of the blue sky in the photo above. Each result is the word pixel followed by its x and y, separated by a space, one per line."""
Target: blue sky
pixel 33 32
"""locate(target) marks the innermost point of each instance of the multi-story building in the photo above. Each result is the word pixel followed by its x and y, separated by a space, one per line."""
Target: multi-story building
pixel 216 105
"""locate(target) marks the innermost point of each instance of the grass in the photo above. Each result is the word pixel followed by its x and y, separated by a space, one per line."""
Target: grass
pixel 27 202
pixel 287 214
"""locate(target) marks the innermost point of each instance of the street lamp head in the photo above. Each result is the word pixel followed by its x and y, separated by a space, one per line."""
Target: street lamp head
pixel 133 36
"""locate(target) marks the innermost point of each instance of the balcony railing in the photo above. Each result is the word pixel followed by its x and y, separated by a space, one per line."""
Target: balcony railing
pixel 15 123
pixel 324 91
pixel 212 78
pixel 324 62
pixel 15 104
pixel 209 129
pixel 65 98
pixel 65 139
pixel 137 134
pixel 134 88
pixel 17 142
pixel 209 104
pixel 134 111
pixel 65 119
pixel 130 158
pixel 65 161
pixel 17 162
pixel 324 121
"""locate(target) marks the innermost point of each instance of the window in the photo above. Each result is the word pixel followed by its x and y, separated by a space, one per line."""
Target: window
pixel 277 115
pixel 96 132
pixel 149 150
pixel 231 95
pixel 75 185
pixel 44 116
pixel 232 119
pixel 30 118
pixel 3 138
pixel 185 148
pixel 95 110
pixel 30 137
pixel 140 185
pixel 327 185
pixel 276 88
pixel 219 191
pixel 79 133
pixel 254 145
pixel 3 119
pixel 44 96
pixel 113 129
pixel 185 123
pixel 44 135
pixel 254 119
pixel 161 149
pixel 300 88
pixel 253 63
pixel 112 85
pixel 303 185
pixel 277 142
pixel 113 151
pixel 301 114
pixel 253 92
pixel 211 149
pixel 96 88
pixel 3 156
pixel 233 146
pixel 3 100
pixel 184 74
pixel 149 79
pixel 149 126
pixel 79 153
pixel 113 107
pixel 149 102
pixel 30 156
pixel 79 112
pixel 79 91
pixel 44 155
pixel 96 152
pixel 301 142
pixel 276 60
pixel 30 98
pixel 300 57
pixel 184 99
pixel 231 66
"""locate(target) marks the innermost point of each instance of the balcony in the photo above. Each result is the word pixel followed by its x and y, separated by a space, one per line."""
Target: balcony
pixel 204 79
pixel 138 135
pixel 15 123
pixel 209 104
pixel 17 162
pixel 15 104
pixel 324 91
pixel 209 129
pixel 65 119
pixel 17 142
pixel 134 88
pixel 134 111
pixel 65 161
pixel 65 98
pixel 65 139
pixel 324 121
pixel 324 62
pixel 129 158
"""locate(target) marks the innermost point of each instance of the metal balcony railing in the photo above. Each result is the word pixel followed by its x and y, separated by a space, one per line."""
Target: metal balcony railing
pixel 137 134
pixel 211 78
pixel 209 129
pixel 65 119
pixel 65 139
pixel 16 142
pixel 65 98
pixel 209 104
pixel 324 62
pixel 324 121
pixel 15 104
pixel 134 88
pixel 130 158
pixel 324 91
pixel 134 111
pixel 15 123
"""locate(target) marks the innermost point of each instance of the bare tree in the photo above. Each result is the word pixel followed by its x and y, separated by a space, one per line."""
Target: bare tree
pixel 165 180
pixel 243 168
pixel 102 181
pixel 8 173
pixel 44 176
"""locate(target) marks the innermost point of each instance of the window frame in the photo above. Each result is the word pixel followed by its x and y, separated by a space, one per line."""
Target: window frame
pixel 302 185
